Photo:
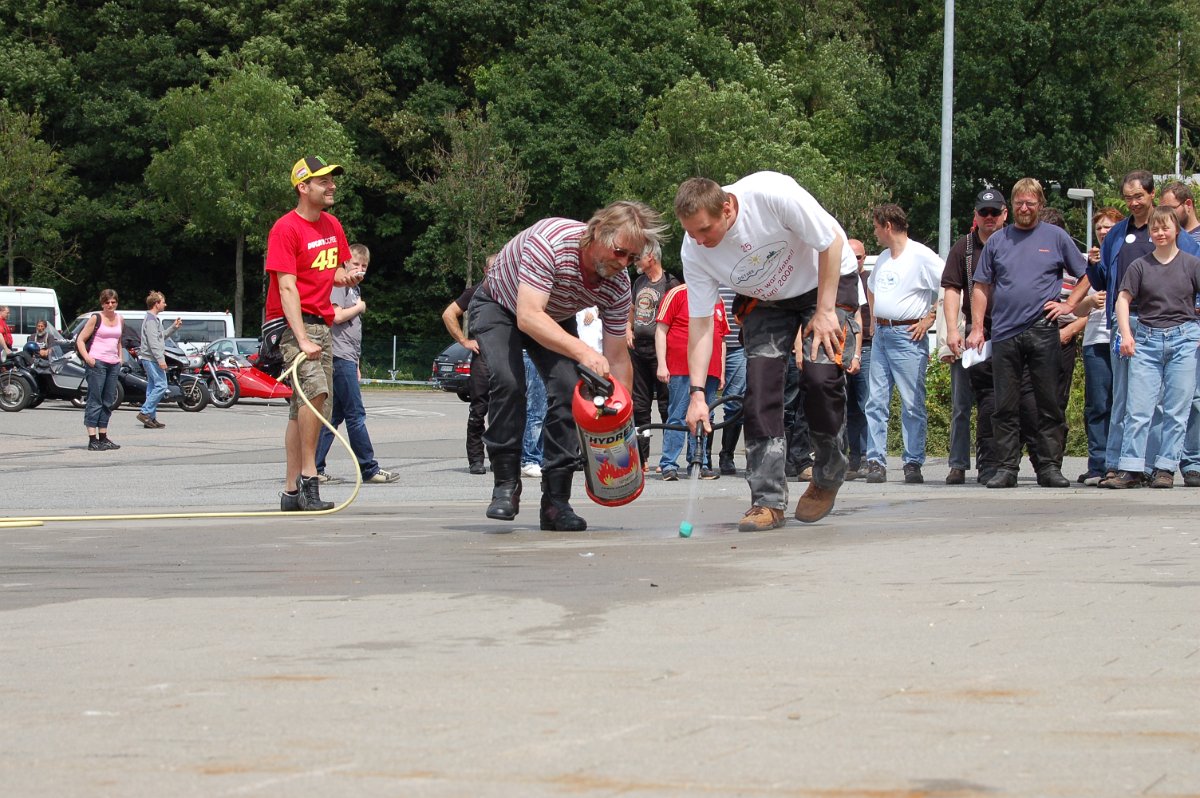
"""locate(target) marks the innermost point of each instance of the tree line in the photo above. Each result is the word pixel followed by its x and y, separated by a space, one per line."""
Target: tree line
pixel 146 143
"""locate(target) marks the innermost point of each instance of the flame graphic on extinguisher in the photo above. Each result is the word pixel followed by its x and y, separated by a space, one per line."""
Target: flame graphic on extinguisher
pixel 607 473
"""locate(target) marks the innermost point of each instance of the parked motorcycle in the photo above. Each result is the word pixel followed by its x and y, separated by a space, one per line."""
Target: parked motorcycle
pixel 18 385
pixel 187 390
pixel 59 376
pixel 222 383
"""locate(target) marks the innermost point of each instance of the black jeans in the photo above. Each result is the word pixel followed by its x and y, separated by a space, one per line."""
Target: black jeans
pixel 477 412
pixel 500 342
pixel 1038 350
pixel 646 391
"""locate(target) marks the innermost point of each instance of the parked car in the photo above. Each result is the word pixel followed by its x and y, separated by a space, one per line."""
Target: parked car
pixel 452 371
pixel 244 348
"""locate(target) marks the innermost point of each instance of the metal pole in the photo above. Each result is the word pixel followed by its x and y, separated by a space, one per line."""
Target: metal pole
pixel 1088 222
pixel 947 131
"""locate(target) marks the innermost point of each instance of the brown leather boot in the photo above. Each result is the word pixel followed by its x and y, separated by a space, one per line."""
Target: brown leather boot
pixel 816 503
pixel 760 519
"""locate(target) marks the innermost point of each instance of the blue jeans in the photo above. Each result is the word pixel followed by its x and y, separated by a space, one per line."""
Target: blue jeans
pixel 897 360
pixel 156 387
pixel 1118 413
pixel 677 405
pixel 102 392
pixel 348 407
pixel 1164 362
pixel 535 414
pixel 735 385
pixel 1190 459
pixel 962 400
pixel 1097 393
pixel 858 389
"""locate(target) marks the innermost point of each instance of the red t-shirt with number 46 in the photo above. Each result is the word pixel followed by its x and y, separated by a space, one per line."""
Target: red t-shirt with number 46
pixel 310 250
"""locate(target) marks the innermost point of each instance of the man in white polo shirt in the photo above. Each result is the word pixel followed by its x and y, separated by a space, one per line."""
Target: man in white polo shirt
pixel 904 288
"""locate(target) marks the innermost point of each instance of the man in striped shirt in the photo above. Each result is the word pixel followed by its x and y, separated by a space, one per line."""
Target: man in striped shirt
pixel 540 280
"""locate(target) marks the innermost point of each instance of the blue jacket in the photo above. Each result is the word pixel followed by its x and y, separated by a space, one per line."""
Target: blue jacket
pixel 1104 272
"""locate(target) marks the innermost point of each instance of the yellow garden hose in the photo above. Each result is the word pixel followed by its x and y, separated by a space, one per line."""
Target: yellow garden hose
pixel 27 521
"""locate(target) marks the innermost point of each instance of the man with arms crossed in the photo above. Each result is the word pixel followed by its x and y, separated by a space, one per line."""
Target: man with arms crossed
pixel 305 252
pixel 772 242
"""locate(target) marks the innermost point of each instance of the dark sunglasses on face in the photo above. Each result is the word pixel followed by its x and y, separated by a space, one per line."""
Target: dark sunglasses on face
pixel 626 255
pixel 989 211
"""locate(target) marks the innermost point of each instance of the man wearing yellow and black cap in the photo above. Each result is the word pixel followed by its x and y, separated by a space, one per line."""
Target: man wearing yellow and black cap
pixel 305 252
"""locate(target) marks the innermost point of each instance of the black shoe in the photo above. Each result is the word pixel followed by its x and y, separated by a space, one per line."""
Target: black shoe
pixel 708 473
pixel 876 473
pixel 477 468
pixel 1003 479
pixel 725 461
pixel 289 502
pixel 670 475
pixel 309 498
pixel 109 444
pixel 912 474
pixel 94 445
pixel 1125 480
pixel 791 471
pixel 1191 479
pixel 957 476
pixel 985 476
pixel 1051 477
pixel 506 488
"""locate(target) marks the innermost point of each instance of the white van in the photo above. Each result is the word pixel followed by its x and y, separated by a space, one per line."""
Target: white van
pixel 200 328
pixel 27 306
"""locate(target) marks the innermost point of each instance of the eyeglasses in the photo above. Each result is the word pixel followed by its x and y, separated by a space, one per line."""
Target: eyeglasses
pixel 1027 204
pixel 625 254
pixel 989 211
pixel 1139 197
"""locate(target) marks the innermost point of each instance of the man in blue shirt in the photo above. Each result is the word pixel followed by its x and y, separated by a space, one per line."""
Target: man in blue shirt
pixel 1019 277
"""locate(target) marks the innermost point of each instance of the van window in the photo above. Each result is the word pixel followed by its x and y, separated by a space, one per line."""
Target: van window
pixel 196 331
pixel 23 319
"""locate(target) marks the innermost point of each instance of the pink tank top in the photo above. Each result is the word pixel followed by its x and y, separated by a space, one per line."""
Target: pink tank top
pixel 106 346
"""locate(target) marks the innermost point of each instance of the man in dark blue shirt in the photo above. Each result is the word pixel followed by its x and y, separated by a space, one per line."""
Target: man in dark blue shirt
pixel 1019 275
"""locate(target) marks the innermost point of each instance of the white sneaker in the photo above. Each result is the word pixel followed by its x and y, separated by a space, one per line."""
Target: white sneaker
pixel 531 470
pixel 383 476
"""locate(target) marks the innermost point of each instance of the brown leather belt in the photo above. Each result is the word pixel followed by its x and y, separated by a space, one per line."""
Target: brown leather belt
pixel 896 322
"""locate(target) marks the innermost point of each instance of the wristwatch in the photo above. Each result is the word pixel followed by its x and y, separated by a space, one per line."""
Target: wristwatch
pixel 696 389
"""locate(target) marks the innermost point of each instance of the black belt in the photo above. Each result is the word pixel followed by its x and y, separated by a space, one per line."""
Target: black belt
pixel 897 322
pixel 312 318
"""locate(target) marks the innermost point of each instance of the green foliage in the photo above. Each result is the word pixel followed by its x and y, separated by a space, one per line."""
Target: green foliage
pixel 475 187
pixel 224 171
pixel 34 183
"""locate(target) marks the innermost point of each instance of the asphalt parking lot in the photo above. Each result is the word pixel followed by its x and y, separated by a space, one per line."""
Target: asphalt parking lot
pixel 923 640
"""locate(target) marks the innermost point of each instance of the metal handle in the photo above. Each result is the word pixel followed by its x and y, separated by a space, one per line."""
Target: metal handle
pixel 644 431
pixel 599 386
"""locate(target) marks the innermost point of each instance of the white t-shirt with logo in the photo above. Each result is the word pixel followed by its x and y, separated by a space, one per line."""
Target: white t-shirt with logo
pixel 770 251
pixel 906 287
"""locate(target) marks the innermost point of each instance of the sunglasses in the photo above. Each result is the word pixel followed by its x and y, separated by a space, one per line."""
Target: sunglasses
pixel 860 257
pixel 625 254
pixel 989 211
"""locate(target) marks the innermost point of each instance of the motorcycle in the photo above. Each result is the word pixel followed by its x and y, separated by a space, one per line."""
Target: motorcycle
pixel 60 375
pixel 222 384
pixel 187 390
pixel 18 385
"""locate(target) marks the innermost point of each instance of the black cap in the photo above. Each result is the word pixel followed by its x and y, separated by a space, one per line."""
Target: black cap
pixel 990 198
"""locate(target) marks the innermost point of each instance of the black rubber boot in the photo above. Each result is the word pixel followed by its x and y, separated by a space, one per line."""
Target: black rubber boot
pixel 557 515
pixel 506 495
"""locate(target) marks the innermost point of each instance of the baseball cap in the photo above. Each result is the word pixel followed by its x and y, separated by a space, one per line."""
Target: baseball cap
pixel 313 166
pixel 989 198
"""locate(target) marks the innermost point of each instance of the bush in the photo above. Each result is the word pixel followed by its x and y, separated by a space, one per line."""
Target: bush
pixel 938 404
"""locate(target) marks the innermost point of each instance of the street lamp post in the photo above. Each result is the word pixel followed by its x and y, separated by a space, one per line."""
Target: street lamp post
pixel 1089 195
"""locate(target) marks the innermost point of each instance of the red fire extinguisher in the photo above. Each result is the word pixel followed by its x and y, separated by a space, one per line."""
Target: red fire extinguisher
pixel 612 465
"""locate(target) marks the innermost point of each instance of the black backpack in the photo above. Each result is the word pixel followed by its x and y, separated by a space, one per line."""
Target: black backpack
pixel 270 359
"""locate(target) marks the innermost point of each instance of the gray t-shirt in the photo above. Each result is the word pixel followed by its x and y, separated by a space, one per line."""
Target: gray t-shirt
pixel 1025 269
pixel 347 336
pixel 1164 291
